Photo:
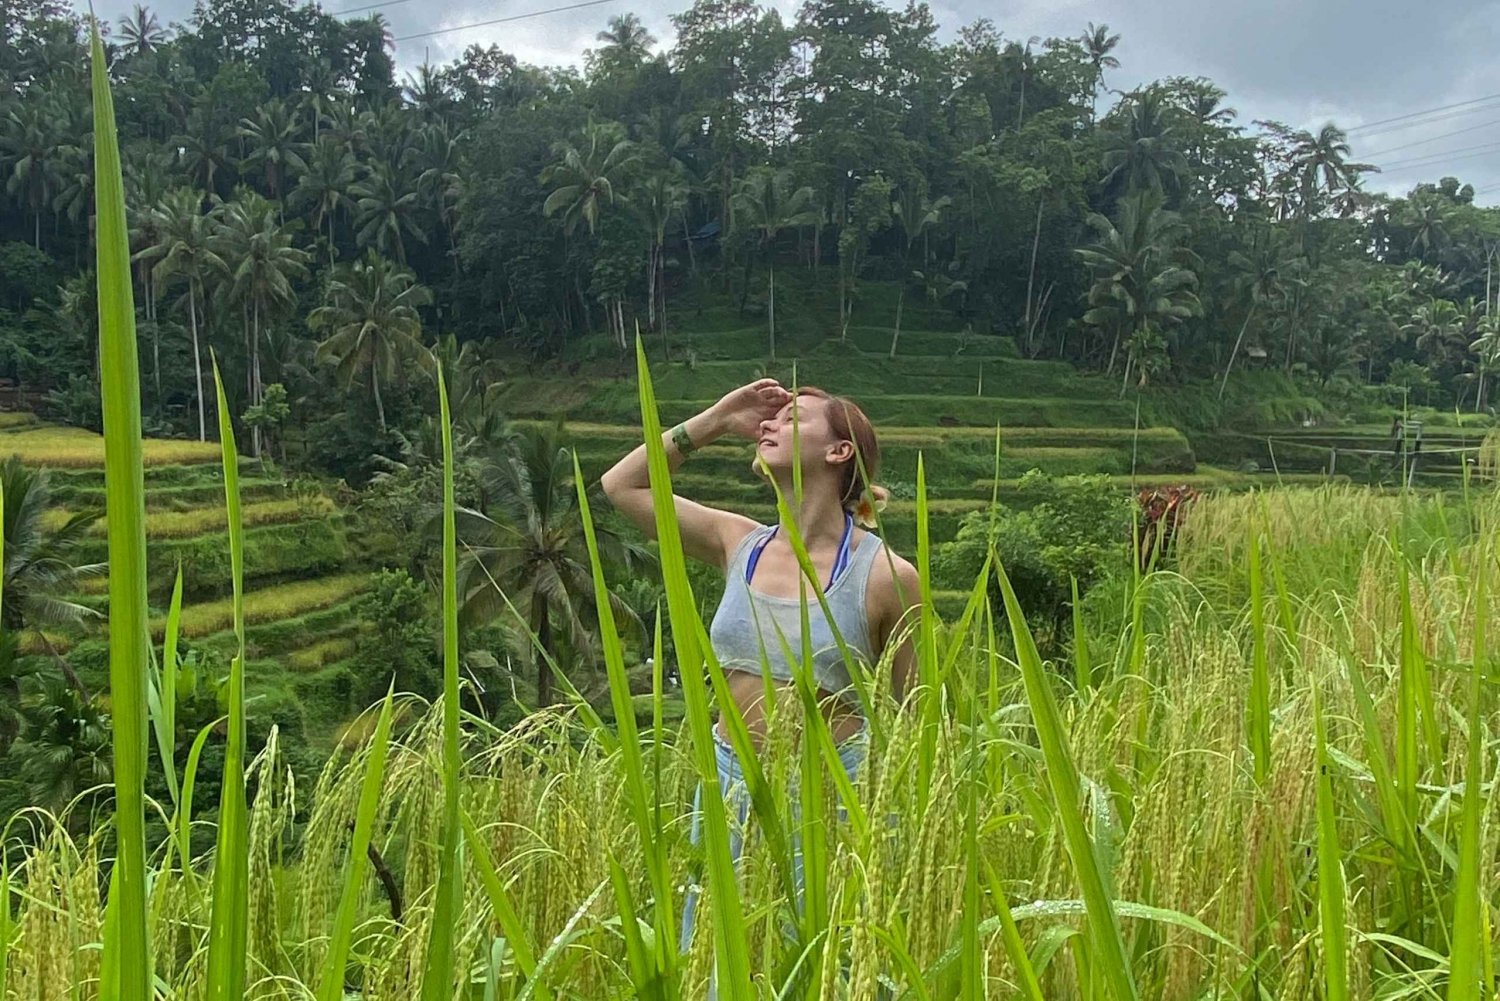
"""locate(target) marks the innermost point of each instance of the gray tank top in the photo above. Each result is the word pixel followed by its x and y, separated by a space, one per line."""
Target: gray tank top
pixel 745 626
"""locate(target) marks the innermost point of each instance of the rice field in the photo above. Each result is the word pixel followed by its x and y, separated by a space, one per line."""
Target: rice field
pixel 1262 771
pixel 77 448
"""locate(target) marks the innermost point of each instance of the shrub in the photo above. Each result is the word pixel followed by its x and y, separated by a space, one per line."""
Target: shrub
pixel 402 640
pixel 1076 527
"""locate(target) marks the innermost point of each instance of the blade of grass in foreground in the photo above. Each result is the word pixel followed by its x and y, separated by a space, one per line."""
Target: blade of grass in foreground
pixel 125 515
pixel 1463 956
pixel 638 795
pixel 331 984
pixel 230 921
pixel 437 975
pixel 1104 923
pixel 728 911
pixel 1331 915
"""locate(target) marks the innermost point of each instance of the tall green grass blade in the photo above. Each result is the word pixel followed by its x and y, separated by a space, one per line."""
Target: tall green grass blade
pixel 1464 955
pixel 125 512
pixel 1062 775
pixel 500 903
pixel 682 613
pixel 1331 914
pixel 1083 672
pixel 184 816
pixel 437 974
pixel 1258 721
pixel 639 797
pixel 1010 936
pixel 645 977
pixel 230 921
pixel 927 662
pixel 162 696
pixel 331 984
pixel 1406 705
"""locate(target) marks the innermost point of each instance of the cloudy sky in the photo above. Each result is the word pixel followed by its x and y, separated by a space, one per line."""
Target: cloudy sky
pixel 1430 64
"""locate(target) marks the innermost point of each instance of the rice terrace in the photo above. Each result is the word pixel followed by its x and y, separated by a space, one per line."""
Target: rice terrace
pixel 822 504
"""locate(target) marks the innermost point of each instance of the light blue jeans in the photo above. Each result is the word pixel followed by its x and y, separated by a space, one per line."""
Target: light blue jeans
pixel 737 799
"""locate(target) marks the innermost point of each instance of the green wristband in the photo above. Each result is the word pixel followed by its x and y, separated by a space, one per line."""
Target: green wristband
pixel 682 441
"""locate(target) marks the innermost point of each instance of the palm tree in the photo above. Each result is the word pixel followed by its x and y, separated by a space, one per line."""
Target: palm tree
pixel 916 214
pixel 1098 43
pixel 584 179
pixel 372 322
pixel 263 263
pixel 440 184
pixel 429 94
pixel 1142 282
pixel 1319 165
pixel 203 148
pixel 274 144
pixel 1486 348
pixel 65 748
pixel 325 187
pixel 1258 279
pixel 30 143
pixel 41 567
pixel 1142 154
pixel 522 546
pixel 185 251
pixel 141 30
pixel 656 198
pixel 386 206
pixel 765 203
pixel 626 40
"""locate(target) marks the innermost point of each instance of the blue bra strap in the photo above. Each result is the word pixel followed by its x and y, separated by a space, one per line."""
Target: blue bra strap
pixel 840 562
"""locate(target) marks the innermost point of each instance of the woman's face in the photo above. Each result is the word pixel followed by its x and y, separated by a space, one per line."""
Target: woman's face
pixel 819 445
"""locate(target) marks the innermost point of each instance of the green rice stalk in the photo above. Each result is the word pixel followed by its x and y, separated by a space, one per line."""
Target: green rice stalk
pixel 184 818
pixel 927 661
pixel 1331 915
pixel 639 797
pixel 1258 722
pixel 1406 706
pixel 500 903
pixel 1010 936
pixel 161 695
pixel 125 511
pixel 645 975
pixel 331 983
pixel 437 974
pixel 1468 898
pixel 1082 669
pixel 729 921
pixel 971 971
pixel 1062 775
pixel 229 925
pixel 7 927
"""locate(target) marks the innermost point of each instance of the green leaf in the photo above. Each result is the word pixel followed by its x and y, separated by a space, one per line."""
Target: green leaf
pixel 127 945
pixel 1468 898
pixel 230 920
pixel 331 983
pixel 437 974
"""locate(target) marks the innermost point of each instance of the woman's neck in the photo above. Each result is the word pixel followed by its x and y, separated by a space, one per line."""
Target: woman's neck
pixel 820 517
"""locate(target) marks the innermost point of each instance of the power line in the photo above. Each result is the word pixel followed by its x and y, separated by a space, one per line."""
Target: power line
pixel 1420 114
pixel 1423 142
pixel 368 6
pixel 1426 162
pixel 503 20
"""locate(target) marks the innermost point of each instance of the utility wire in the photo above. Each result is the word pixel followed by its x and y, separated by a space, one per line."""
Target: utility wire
pixel 1440 160
pixel 368 6
pixel 1423 142
pixel 503 20
pixel 1368 126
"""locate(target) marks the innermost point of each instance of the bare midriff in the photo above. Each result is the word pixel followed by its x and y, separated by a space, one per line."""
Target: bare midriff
pixel 749 693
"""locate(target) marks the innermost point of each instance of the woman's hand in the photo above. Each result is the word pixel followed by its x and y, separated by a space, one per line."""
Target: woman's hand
pixel 741 411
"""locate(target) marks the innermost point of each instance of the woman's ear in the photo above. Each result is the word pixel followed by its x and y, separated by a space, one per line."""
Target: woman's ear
pixel 840 452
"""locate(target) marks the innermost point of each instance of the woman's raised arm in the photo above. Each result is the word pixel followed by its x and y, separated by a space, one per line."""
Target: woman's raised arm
pixel 708 534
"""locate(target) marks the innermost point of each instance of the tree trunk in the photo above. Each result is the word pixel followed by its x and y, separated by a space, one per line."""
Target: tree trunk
pixel 1125 383
pixel 651 287
pixel 1236 349
pixel 771 309
pixel 1031 274
pixel 375 389
pixel 1114 349
pixel 197 362
pixel 541 629
pixel 896 334
pixel 255 375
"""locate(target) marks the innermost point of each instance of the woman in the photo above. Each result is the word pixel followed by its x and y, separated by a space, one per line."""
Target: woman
pixel 869 589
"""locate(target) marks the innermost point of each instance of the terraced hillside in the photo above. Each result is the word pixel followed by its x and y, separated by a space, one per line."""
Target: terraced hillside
pixel 300 570
pixel 943 396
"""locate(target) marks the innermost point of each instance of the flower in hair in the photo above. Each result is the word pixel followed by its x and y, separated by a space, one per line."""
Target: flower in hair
pixel 872 501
